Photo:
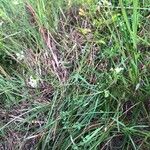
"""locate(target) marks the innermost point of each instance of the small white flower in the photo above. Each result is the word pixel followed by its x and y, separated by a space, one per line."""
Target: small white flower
pixel 1 23
pixel 104 2
pixel 111 69
pixel 20 55
pixel 117 69
pixel 105 129
pixel 33 82
pixel 137 87
pixel 15 2
pixel 106 93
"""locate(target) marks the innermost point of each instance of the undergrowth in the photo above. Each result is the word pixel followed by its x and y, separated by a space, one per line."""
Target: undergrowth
pixel 75 74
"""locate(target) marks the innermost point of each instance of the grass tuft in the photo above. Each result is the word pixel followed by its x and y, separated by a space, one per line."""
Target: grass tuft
pixel 74 74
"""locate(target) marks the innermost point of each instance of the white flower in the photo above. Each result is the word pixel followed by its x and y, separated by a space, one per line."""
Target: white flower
pixel 15 2
pixel 106 92
pixel 104 2
pixel 1 23
pixel 105 129
pixel 111 69
pixel 33 82
pixel 117 69
pixel 20 55
pixel 137 87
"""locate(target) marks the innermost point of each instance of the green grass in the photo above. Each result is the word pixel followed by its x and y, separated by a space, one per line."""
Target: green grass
pixel 75 74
